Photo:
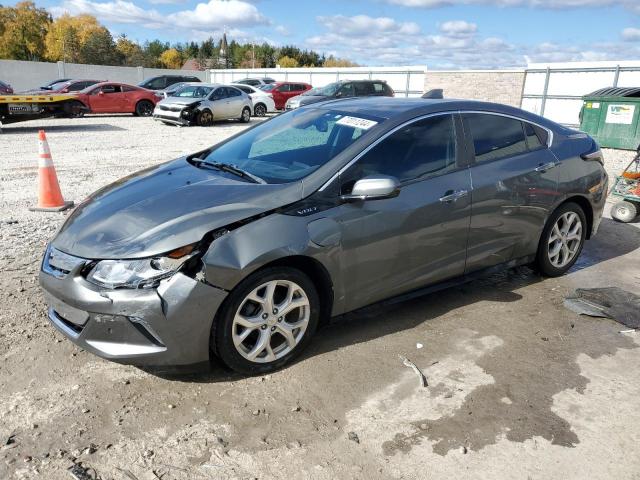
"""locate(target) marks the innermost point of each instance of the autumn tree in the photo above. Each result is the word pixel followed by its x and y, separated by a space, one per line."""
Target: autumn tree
pixel 332 61
pixel 22 31
pixel 171 58
pixel 100 49
pixel 287 62
pixel 130 52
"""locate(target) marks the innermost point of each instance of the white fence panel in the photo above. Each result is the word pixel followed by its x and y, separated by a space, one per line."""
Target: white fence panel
pixel 555 90
pixel 405 81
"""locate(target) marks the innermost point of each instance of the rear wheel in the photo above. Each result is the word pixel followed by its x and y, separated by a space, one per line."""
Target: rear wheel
pixel 246 115
pixel 144 108
pixel 260 110
pixel 205 118
pixel 562 240
pixel 76 109
pixel 267 320
pixel 624 211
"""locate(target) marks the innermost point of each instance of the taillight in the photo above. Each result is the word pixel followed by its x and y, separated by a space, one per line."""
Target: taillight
pixel 593 154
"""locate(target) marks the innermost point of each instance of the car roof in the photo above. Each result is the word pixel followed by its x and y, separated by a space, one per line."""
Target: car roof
pixel 389 107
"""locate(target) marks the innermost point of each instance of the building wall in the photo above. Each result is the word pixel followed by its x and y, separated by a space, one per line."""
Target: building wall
pixel 500 86
pixel 22 75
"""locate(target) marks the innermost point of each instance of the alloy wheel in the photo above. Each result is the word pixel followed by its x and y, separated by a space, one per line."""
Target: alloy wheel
pixel 271 321
pixel 205 119
pixel 565 239
pixel 260 110
pixel 246 115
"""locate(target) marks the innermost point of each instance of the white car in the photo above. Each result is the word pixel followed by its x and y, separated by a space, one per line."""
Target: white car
pixel 262 101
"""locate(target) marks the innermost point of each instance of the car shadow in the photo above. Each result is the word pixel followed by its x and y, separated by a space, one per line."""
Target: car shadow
pixel 80 127
pixel 614 239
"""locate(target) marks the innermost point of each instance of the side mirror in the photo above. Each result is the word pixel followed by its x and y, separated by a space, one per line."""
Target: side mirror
pixel 374 187
pixel 64 90
pixel 100 92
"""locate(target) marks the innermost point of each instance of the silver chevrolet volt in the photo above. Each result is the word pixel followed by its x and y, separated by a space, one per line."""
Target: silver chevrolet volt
pixel 240 251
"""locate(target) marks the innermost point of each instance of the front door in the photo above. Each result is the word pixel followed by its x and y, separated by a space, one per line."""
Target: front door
pixel 394 245
pixel 107 99
pixel 515 183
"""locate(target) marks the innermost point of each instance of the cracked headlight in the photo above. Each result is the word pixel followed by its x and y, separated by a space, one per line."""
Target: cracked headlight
pixel 139 273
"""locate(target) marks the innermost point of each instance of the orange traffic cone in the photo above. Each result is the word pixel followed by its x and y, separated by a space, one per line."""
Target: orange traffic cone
pixel 49 194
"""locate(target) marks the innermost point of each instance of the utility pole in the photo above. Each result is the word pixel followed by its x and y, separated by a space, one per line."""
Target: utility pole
pixel 253 55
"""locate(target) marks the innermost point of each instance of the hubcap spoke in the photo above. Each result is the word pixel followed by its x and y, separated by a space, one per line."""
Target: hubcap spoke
pixel 277 307
pixel 565 239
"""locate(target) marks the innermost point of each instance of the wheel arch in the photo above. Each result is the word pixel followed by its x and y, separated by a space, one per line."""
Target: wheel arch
pixel 586 206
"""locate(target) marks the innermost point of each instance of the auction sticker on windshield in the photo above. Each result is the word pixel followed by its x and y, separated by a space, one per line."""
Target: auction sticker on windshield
pixel 356 122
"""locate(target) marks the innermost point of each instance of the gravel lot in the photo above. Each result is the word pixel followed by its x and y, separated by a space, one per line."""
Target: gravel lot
pixel 519 387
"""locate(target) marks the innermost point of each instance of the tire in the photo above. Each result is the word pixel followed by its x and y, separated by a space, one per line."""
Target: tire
pixel 262 347
pixel 562 240
pixel 76 109
pixel 144 108
pixel 205 118
pixel 246 115
pixel 260 110
pixel 624 211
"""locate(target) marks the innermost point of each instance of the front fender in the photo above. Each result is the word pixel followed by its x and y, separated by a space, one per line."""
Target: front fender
pixel 242 251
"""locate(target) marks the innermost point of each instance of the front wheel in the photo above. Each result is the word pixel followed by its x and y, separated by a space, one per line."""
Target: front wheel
pixel 562 240
pixel 246 115
pixel 205 118
pixel 267 320
pixel 624 211
pixel 144 108
pixel 76 109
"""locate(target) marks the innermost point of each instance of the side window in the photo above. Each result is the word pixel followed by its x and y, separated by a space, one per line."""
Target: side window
pixel 284 88
pixel 363 89
pixel 536 137
pixel 233 92
pixel 346 90
pixel 246 90
pixel 75 87
pixel 126 88
pixel 111 89
pixel 156 84
pixel 495 136
pixel 422 149
pixel 378 88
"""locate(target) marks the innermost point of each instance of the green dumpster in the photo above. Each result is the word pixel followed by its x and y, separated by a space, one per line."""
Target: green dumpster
pixel 610 115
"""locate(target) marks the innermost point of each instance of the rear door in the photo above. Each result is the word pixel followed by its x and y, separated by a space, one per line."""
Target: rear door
pixel 235 102
pixel 220 104
pixel 393 245
pixel 515 183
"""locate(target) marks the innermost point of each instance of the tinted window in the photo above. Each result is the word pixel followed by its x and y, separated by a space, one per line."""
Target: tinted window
pixel 421 149
pixel 127 88
pixel 233 92
pixel 74 87
pixel 362 89
pixel 378 88
pixel 245 89
pixel 537 137
pixel 155 83
pixel 110 89
pixel 284 88
pixel 346 90
pixel 253 83
pixel 495 136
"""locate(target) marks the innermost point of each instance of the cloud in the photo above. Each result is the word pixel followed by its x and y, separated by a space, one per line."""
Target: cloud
pixel 216 14
pixel 458 27
pixel 363 25
pixel 631 34
pixel 552 4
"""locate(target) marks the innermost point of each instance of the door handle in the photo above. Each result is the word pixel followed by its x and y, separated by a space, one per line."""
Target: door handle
pixel 451 196
pixel 543 167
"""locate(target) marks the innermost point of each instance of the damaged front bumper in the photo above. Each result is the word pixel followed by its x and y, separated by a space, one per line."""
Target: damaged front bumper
pixel 165 326
pixel 184 116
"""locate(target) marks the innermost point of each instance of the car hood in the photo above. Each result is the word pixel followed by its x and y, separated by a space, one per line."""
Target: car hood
pixel 180 101
pixel 309 99
pixel 163 208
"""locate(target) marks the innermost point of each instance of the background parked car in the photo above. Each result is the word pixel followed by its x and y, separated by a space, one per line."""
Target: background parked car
pixel 283 91
pixel 342 89
pixel 171 90
pixel 5 88
pixel 202 103
pixel 110 97
pixel 163 81
pixel 256 82
pixel 262 101
pixel 67 86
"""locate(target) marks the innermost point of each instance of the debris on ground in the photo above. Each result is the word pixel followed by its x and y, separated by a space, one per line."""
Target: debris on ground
pixel 609 302
pixel 408 363
pixel 353 436
pixel 80 472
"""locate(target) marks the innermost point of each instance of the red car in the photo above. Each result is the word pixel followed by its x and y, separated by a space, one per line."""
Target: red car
pixel 283 91
pixel 5 88
pixel 111 97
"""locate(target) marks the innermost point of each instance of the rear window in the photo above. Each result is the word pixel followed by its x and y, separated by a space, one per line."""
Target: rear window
pixel 495 136
pixel 363 88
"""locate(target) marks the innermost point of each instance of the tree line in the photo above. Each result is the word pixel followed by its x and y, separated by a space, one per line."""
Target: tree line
pixel 28 32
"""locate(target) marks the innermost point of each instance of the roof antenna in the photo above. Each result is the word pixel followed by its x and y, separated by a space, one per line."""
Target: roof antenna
pixel 436 93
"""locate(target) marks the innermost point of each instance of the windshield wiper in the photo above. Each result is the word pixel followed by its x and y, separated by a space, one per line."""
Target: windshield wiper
pixel 225 167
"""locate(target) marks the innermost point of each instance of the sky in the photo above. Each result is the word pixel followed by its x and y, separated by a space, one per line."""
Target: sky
pixel 442 34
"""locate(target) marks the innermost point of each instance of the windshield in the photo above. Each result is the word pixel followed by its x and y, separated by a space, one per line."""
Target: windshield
pixel 57 86
pixel 325 91
pixel 293 145
pixel 193 91
pixel 268 87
